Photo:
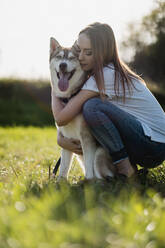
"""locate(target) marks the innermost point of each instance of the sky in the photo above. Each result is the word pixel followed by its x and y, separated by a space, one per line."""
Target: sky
pixel 27 25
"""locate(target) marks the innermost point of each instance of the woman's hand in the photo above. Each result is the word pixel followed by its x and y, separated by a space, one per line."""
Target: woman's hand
pixel 72 145
pixel 63 114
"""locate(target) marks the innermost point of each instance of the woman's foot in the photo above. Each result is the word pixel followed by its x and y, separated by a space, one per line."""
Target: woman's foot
pixel 125 168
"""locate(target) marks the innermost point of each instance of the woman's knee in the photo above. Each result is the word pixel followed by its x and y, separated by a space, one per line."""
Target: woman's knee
pixel 91 103
pixel 89 107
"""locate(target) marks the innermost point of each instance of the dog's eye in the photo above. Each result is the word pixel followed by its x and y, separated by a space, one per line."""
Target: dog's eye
pixel 72 58
pixel 59 57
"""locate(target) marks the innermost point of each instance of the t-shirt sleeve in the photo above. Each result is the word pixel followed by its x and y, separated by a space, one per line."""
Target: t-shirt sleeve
pixel 108 72
pixel 90 84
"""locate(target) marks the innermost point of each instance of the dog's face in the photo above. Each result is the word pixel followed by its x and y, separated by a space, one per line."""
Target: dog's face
pixel 66 73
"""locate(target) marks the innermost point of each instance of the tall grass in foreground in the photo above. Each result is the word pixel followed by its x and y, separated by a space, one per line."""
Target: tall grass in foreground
pixel 36 212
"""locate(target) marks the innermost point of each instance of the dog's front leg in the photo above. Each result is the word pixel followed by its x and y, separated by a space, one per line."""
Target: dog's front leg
pixel 89 166
pixel 89 149
pixel 66 158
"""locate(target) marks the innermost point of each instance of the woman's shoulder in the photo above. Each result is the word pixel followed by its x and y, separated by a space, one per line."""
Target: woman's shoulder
pixel 109 71
pixel 109 67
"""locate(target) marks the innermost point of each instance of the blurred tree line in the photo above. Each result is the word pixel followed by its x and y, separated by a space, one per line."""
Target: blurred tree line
pixel 25 102
pixel 147 41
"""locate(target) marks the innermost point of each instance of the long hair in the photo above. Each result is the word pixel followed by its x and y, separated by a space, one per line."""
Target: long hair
pixel 105 51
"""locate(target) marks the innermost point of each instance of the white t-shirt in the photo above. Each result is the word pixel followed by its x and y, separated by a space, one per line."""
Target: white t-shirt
pixel 140 103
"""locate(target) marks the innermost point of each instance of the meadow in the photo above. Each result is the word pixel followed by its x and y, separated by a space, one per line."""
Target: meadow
pixel 38 212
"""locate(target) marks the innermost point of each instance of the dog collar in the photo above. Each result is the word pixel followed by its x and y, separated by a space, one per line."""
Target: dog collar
pixel 66 100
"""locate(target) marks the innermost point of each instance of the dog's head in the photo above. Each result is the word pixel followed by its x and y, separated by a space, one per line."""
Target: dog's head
pixel 66 73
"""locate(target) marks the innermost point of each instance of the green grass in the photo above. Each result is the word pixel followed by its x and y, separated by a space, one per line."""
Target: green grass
pixel 36 212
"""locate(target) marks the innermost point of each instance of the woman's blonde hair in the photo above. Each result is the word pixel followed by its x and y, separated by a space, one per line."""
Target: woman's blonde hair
pixel 105 51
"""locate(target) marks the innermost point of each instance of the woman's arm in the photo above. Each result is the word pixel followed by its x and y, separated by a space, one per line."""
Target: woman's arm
pixel 63 114
pixel 72 145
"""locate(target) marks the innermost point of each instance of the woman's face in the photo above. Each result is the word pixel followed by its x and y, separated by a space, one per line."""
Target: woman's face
pixel 85 52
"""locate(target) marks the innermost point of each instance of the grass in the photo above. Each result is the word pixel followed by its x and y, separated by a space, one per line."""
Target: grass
pixel 36 212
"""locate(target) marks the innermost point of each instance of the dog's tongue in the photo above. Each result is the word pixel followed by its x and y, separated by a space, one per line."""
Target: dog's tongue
pixel 63 82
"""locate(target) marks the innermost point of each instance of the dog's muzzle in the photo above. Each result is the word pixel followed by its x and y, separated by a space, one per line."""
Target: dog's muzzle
pixel 64 76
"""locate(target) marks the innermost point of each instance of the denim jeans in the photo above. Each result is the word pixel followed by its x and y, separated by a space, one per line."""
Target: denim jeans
pixel 122 134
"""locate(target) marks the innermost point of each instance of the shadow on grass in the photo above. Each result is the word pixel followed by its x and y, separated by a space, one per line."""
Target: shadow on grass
pixel 153 180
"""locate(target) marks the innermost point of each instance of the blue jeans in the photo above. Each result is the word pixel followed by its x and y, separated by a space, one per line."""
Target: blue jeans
pixel 122 134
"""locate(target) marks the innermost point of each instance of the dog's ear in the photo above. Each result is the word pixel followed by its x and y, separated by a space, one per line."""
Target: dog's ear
pixel 53 45
pixel 75 48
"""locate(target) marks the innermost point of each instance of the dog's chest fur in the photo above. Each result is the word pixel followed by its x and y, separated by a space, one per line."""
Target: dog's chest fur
pixel 74 129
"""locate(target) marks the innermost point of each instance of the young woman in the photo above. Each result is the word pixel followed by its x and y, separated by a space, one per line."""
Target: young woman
pixel 121 112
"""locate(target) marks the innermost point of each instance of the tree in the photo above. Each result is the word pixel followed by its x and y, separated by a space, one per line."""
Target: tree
pixel 147 42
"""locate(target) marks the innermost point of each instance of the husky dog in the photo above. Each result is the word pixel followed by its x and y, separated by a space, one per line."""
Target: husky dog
pixel 67 78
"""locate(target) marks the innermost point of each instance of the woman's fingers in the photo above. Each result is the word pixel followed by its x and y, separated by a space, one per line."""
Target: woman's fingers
pixel 76 148
pixel 70 144
pixel 78 151
pixel 75 141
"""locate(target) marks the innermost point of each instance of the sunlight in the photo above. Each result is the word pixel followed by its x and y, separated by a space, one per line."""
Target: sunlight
pixel 26 27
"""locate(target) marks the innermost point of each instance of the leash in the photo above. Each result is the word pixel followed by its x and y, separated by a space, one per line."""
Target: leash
pixel 57 165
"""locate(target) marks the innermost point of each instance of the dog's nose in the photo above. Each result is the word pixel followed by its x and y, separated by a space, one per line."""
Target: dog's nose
pixel 63 67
